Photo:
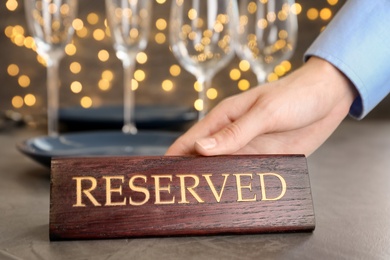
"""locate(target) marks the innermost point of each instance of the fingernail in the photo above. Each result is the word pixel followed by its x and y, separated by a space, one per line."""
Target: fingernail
pixel 207 143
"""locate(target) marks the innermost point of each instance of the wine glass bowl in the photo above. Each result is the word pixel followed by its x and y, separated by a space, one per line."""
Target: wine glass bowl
pixel 266 34
pixel 129 23
pixel 50 23
pixel 201 38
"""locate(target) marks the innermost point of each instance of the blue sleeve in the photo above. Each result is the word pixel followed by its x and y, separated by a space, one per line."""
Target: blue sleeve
pixel 357 42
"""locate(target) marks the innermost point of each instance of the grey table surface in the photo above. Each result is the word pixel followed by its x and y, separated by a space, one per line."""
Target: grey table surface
pixel 350 180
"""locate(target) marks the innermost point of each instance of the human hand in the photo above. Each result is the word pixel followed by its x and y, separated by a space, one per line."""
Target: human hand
pixel 294 115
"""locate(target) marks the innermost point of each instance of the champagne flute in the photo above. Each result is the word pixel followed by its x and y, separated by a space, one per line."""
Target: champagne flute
pixel 50 22
pixel 266 34
pixel 201 37
pixel 129 23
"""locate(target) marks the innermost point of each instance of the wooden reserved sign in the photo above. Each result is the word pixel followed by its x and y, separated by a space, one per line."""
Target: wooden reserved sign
pixel 119 197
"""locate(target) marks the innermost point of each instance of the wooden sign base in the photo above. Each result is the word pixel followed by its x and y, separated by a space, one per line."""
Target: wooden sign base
pixel 120 197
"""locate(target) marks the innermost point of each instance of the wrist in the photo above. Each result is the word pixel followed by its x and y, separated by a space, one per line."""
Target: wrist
pixel 331 82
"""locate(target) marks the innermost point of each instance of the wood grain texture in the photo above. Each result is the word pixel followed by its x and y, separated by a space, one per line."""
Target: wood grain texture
pixel 292 212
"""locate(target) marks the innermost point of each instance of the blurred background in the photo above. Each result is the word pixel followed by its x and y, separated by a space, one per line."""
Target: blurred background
pixel 91 74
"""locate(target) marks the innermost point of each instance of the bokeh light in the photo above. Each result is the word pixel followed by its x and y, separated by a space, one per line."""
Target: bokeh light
pixel 13 70
pixel 167 85
pixel 91 29
pixel 76 87
pixel 30 100
pixel 212 93
pixel 86 102
pixel 17 102
pixel 198 105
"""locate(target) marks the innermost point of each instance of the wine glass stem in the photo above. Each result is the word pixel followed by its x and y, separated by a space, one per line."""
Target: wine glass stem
pixel 52 97
pixel 261 77
pixel 203 84
pixel 128 99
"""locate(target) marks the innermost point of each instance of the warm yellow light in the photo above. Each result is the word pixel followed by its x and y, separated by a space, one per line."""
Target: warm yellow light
pixel 198 87
pixel 161 1
pixel 192 14
pixel 296 8
pixel 175 70
pixel 142 58
pixel 325 14
pixel 243 85
pixel 53 8
pixel 76 87
pixel 134 84
pixel 108 32
pixel 41 60
pixel 30 100
pixel 333 2
pixel 70 49
pixel 161 24
pixel 103 55
pixel 160 38
pixel 271 16
pixel 282 15
pixel 19 40
pixel 86 102
pixel 262 23
pixel 280 70
pixel 283 34
pixel 64 9
pixel 252 7
pixel 17 102
pixel 29 42
pixel 78 24
pixel 235 74
pixel 11 5
pixel 286 64
pixel 212 93
pixel 92 18
pixel 75 67
pixel 98 34
pixel 167 85
pixel 8 31
pixel 104 84
pixel 139 75
pixel 82 33
pixel 272 77
pixel 13 70
pixel 244 65
pixel 17 29
pixel 108 75
pixel 280 44
pixel 312 14
pixel 198 105
pixel 134 33
pixel 24 81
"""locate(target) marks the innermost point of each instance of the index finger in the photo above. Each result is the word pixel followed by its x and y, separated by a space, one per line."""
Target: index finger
pixel 222 115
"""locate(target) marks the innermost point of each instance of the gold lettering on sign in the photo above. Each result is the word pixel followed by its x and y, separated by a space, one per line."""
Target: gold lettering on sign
pixel 263 186
pixel 240 187
pixel 212 187
pixel 138 189
pixel 110 190
pixel 190 189
pixel 245 188
pixel 158 189
pixel 87 192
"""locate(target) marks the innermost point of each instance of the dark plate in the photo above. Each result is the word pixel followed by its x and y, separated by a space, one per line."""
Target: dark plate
pixel 104 143
pixel 111 117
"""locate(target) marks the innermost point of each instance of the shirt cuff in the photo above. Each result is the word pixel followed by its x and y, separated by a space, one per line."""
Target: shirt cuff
pixel 356 42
